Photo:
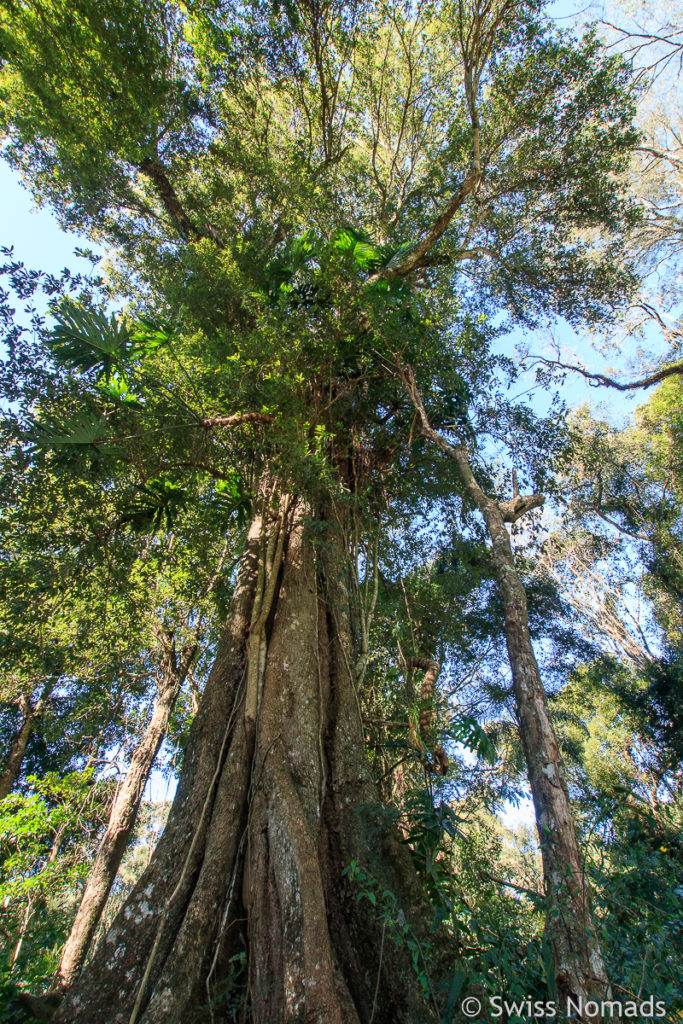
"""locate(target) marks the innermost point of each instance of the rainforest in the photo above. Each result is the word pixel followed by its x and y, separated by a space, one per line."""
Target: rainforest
pixel 341 593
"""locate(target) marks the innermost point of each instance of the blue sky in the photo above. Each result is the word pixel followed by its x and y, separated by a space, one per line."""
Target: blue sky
pixel 35 234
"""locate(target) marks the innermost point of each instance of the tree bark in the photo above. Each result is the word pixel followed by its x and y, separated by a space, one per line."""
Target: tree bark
pixel 123 814
pixel 15 758
pixel 570 928
pixel 244 908
pixel 439 763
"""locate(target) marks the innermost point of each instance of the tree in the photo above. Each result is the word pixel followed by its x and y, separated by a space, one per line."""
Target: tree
pixel 570 927
pixel 31 714
pixel 629 796
pixel 45 840
pixel 615 561
pixel 123 576
pixel 626 484
pixel 294 193
pixel 648 330
pixel 123 814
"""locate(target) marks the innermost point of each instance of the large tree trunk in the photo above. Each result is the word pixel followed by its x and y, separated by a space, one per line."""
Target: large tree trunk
pixel 579 967
pixel 274 801
pixel 124 813
pixel 15 758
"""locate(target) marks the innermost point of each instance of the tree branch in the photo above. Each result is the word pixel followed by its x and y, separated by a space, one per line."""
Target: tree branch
pixel 153 169
pixel 511 510
pixel 536 896
pixel 519 505
pixel 419 256
pixel 431 668
pixel 599 379
pixel 211 422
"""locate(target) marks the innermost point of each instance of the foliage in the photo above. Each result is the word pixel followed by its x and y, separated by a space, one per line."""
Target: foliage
pixel 393 919
pixel 46 842
pixel 297 201
pixel 631 810
pixel 638 880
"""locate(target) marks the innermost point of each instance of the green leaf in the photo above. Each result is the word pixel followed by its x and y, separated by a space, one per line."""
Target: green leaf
pixel 360 246
pixel 85 338
pixel 467 731
pixel 84 428
pixel 148 335
pixel 117 389
pixel 158 503
pixel 549 969
pixel 231 497
pixel 398 255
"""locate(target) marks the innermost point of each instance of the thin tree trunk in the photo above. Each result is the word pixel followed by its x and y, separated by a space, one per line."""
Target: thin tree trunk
pixel 22 933
pixel 579 968
pixel 274 802
pixel 123 814
pixel 17 752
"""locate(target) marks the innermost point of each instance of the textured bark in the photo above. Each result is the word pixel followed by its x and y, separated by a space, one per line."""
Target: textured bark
pixel 15 758
pixel 155 170
pixel 579 967
pixel 439 765
pixel 123 815
pixel 265 820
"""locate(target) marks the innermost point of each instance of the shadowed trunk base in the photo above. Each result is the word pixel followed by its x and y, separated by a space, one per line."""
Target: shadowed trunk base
pixel 244 911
